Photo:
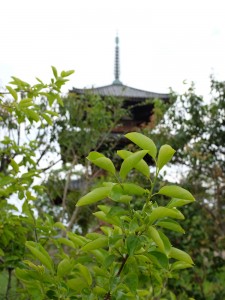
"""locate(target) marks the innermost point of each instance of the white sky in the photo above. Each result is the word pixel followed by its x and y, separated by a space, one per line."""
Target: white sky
pixel 162 43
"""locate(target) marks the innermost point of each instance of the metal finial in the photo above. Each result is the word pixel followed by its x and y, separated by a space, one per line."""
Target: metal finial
pixel 117 63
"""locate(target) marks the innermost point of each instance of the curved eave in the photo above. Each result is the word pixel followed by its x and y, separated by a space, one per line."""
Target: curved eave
pixel 120 90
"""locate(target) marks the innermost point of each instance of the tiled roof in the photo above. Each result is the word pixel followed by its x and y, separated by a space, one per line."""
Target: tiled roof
pixel 120 90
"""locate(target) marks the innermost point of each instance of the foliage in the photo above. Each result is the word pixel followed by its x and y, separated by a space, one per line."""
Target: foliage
pixel 194 126
pixel 130 256
pixel 19 162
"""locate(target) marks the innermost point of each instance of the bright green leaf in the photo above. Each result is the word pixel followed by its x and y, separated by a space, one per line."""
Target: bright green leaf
pixel 32 114
pixel 166 152
pixel 175 191
pixel 47 119
pixel 162 212
pixel 85 273
pixel 101 161
pixel 178 265
pixel 143 142
pixel 94 196
pixel 178 202
pixel 180 255
pixel 156 237
pixel 141 166
pixel 54 72
pixel 64 267
pixel 12 92
pixel 96 244
pixel 40 253
pixel 14 165
pixel 171 225
pixel 131 162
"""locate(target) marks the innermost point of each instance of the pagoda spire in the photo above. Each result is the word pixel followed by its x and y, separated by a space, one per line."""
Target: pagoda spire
pixel 117 62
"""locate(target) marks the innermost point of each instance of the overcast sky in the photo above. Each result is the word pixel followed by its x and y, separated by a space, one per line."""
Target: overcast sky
pixel 162 43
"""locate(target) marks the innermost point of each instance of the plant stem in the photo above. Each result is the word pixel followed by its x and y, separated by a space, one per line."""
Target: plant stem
pixel 108 295
pixel 9 283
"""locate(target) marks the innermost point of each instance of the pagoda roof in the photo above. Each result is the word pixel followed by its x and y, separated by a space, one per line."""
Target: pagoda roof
pixel 120 90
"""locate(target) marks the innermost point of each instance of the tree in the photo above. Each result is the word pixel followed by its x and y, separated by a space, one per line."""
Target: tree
pixel 195 128
pixel 131 253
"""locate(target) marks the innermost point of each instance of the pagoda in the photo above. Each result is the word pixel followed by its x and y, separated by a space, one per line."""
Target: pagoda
pixel 138 102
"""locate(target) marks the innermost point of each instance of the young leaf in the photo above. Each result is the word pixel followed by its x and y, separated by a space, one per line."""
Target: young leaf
pixel 156 238
pixel 166 242
pixel 142 166
pixel 166 152
pixel 124 189
pixel 85 273
pixel 47 119
pixel 64 267
pixel 96 244
pixel 101 161
pixel 94 196
pixel 40 253
pixel 12 92
pixel 133 243
pixel 176 192
pixel 162 212
pixel 180 255
pixel 14 165
pixel 171 225
pixel 54 72
pixel 32 114
pixel 143 142
pixel 131 162
pixel 178 202
pixel 111 220
pixel 178 265
pixel 67 73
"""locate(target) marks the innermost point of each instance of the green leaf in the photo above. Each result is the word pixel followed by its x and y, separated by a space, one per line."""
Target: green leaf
pixel 59 100
pixel 175 191
pixel 131 280
pixel 178 265
pixel 166 152
pixel 85 273
pixel 94 196
pixel 117 211
pixel 133 243
pixel 14 165
pixel 47 119
pixel 96 244
pixel 156 238
pixel 54 72
pixel 111 220
pixel 26 102
pixel 66 242
pixel 119 190
pixel 143 142
pixel 32 114
pixel 171 225
pixel 12 92
pixel 40 253
pixel 178 202
pixel 77 284
pixel 101 161
pixel 131 162
pixel 180 255
pixel 76 239
pixel 64 267
pixel 142 166
pixel 159 258
pixel 162 212
pixel 166 242
pixel 67 73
